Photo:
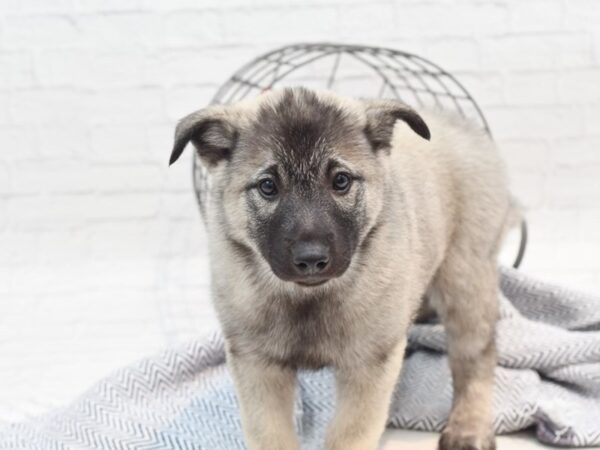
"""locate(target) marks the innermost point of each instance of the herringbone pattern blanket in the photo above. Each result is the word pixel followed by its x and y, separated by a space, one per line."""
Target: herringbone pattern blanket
pixel 548 377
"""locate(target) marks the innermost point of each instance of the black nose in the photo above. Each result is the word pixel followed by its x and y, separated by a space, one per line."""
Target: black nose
pixel 310 258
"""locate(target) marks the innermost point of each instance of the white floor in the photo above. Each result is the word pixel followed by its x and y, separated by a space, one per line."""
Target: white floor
pixel 418 440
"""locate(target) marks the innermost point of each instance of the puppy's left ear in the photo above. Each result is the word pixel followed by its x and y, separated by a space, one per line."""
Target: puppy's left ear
pixel 382 116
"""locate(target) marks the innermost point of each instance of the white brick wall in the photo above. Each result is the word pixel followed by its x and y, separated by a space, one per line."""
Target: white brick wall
pixel 102 254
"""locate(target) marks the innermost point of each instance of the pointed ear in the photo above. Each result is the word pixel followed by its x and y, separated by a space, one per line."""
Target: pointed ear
pixel 210 130
pixel 382 116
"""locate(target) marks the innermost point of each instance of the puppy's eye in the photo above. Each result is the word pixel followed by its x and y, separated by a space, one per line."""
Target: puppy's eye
pixel 341 182
pixel 267 188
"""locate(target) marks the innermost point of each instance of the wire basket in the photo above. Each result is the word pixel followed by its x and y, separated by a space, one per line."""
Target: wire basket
pixel 356 71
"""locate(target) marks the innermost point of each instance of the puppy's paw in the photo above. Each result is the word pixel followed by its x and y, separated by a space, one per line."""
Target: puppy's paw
pixel 455 439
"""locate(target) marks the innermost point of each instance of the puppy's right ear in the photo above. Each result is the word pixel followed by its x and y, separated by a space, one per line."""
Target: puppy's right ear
pixel 210 130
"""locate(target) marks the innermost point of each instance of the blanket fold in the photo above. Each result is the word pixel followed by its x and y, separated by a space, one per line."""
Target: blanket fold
pixel 548 377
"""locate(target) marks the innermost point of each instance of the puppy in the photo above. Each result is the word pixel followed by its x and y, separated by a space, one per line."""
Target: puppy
pixel 330 221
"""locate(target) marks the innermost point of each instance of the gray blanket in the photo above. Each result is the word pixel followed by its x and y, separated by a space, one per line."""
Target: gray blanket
pixel 548 377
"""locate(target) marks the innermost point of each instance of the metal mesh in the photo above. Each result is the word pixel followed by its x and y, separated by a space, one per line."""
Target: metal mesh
pixel 356 71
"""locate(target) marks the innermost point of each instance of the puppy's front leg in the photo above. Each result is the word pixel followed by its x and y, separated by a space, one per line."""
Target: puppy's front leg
pixel 468 308
pixel 266 396
pixel 363 401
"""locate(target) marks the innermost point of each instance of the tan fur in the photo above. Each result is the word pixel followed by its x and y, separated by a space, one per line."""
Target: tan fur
pixel 439 208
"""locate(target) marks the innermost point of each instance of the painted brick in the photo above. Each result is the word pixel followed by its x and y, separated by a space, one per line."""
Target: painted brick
pixel 531 88
pixel 16 70
pixel 589 226
pixel 144 240
pixel 22 31
pixel 528 187
pixel 5 179
pixel 192 27
pixel 582 14
pixel 55 106
pixel 591 114
pixel 4 108
pixel 180 207
pixel 184 237
pixel 549 224
pixel 59 246
pixel 122 30
pixel 94 6
pixel 547 51
pixel 36 6
pixel 280 25
pixel 189 66
pixel 182 101
pixel 359 18
pixel 576 152
pixel 126 178
pixel 537 15
pixel 536 122
pixel 139 106
pixel 450 19
pixel 83 68
pixel 63 177
pixel 458 54
pixel 528 155
pixel 159 139
pixel 487 88
pixel 120 144
pixel 574 187
pixel 58 142
pixel 124 206
pixel 179 175
pixel 41 212
pixel 579 86
pixel 4 202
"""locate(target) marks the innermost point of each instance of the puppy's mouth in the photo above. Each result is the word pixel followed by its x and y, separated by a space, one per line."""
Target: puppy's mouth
pixel 307 283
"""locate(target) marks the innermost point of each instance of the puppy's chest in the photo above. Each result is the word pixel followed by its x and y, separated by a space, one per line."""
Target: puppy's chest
pixel 304 334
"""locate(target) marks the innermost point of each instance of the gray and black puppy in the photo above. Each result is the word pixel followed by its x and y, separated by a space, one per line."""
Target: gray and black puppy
pixel 330 220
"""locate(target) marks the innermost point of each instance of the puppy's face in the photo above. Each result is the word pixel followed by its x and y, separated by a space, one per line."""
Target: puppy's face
pixel 299 176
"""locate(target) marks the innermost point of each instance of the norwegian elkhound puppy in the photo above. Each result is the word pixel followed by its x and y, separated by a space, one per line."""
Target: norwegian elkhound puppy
pixel 331 221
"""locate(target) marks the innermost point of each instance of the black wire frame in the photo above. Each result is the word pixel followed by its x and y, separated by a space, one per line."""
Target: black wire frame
pixel 404 76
